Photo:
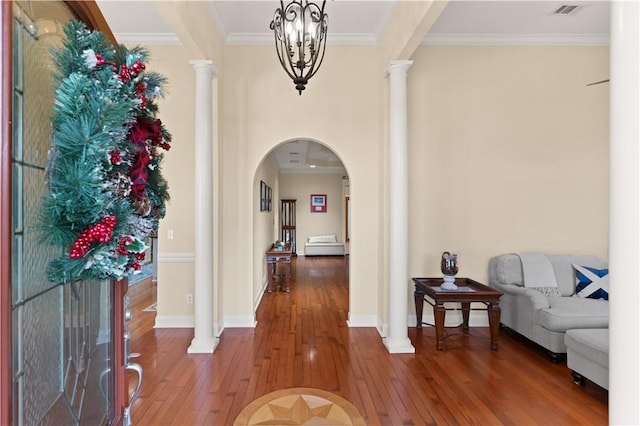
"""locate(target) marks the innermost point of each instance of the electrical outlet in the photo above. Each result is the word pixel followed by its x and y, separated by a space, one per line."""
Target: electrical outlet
pixel 170 234
pixel 189 298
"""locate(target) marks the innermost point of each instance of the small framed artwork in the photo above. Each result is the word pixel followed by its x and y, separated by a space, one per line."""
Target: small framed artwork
pixel 318 203
pixel 263 196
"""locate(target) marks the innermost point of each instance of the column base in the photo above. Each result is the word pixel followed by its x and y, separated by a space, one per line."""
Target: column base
pixel 203 346
pixel 401 346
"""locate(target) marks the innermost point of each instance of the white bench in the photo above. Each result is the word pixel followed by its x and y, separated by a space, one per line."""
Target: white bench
pixel 323 245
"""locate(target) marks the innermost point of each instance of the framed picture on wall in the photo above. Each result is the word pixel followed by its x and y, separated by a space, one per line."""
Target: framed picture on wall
pixel 263 196
pixel 268 198
pixel 318 203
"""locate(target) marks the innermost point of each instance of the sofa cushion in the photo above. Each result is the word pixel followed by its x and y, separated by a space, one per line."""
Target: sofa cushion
pixel 509 270
pixel 565 313
pixel 314 239
pixel 565 274
pixel 592 344
pixel 592 282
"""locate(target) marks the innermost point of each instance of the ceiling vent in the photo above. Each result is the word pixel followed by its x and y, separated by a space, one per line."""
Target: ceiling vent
pixel 566 9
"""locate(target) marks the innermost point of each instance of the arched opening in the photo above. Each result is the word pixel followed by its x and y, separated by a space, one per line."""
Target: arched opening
pixel 312 177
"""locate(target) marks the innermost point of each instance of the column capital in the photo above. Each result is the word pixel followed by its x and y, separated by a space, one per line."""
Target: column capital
pixel 398 66
pixel 204 64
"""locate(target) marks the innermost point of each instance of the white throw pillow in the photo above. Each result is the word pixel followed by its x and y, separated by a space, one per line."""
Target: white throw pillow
pixel 322 239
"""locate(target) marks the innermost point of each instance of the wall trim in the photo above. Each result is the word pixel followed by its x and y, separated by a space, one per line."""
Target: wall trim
pixel 174 322
pixel 176 257
pixel 452 319
pixel 218 330
pixel 367 39
pixel 333 39
pixel 383 329
pixel 362 321
pixel 148 38
pixel 257 300
pixel 516 40
pixel 239 321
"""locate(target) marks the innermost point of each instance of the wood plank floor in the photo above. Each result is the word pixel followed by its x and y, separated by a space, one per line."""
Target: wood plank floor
pixel 302 340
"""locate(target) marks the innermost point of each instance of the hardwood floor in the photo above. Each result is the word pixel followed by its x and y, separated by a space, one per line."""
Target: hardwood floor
pixel 302 340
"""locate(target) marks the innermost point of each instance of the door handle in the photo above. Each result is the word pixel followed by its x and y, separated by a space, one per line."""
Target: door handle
pixel 127 410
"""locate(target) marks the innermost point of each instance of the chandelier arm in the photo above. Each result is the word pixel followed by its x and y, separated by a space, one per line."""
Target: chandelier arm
pixel 313 69
pixel 314 65
pixel 281 57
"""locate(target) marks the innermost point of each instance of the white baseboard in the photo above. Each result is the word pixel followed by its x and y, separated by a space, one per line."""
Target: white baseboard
pixel 362 321
pixel 452 319
pixel 241 321
pixel 203 346
pixel 176 257
pixel 189 322
pixel 174 322
pixel 263 288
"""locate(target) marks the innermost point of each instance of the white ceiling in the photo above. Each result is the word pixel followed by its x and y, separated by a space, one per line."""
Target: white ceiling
pixel 364 22
pixel 305 156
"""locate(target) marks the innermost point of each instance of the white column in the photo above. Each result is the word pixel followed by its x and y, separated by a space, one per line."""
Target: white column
pixel 624 215
pixel 204 340
pixel 398 339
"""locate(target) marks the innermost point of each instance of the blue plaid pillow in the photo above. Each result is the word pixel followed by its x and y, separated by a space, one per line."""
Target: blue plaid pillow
pixel 592 282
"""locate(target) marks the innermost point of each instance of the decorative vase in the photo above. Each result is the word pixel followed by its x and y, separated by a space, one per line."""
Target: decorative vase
pixel 449 267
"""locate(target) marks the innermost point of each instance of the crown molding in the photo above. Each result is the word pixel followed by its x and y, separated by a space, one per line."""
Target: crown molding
pixel 355 39
pixel 364 39
pixel 516 39
pixel 148 38
pixel 176 257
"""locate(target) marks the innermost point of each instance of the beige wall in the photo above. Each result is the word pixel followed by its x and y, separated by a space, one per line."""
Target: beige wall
pixel 508 151
pixel 175 267
pixel 299 187
pixel 265 225
pixel 261 109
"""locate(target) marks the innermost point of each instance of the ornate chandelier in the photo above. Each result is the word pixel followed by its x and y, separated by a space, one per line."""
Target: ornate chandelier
pixel 300 31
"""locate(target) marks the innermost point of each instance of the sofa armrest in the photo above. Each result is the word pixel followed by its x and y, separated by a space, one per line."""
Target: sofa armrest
pixel 537 299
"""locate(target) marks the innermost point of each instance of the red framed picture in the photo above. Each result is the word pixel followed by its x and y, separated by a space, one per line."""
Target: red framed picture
pixel 318 203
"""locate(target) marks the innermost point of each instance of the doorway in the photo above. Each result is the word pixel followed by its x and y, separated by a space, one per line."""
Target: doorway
pixel 300 171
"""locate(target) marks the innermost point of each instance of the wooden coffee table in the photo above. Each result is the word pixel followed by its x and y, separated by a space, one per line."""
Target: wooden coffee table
pixel 468 291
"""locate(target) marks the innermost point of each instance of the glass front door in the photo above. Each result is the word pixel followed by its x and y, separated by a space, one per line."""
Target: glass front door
pixel 61 332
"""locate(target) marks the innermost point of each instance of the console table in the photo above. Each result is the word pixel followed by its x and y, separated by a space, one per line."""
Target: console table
pixel 468 291
pixel 275 256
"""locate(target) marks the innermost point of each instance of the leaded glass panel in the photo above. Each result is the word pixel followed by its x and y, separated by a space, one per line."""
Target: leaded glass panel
pixel 60 331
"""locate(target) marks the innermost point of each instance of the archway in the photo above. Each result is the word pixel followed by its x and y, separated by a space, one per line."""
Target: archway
pixel 299 170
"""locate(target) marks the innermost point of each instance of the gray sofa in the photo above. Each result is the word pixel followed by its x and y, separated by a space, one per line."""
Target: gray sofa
pixel 545 319
pixel 588 355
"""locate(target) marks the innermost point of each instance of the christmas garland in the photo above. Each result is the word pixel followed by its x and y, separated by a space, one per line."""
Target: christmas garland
pixel 106 191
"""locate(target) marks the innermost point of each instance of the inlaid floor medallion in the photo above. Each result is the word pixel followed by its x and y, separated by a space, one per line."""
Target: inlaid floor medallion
pixel 300 406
